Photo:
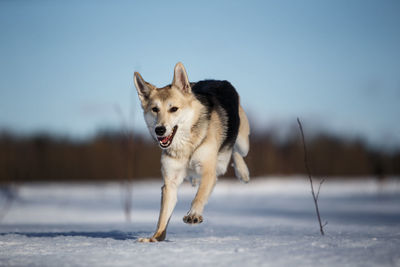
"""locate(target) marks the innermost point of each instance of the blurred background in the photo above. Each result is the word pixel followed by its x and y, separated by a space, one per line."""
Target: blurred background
pixel 69 110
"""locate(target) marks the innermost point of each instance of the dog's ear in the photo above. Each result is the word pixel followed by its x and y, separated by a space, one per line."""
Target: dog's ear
pixel 142 87
pixel 181 79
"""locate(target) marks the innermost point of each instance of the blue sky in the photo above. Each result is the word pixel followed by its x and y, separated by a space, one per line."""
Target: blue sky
pixel 66 65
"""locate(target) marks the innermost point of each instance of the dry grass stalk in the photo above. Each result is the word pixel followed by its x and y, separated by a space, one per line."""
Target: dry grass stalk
pixel 315 196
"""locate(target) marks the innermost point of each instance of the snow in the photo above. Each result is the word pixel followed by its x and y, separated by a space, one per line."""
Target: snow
pixel 268 222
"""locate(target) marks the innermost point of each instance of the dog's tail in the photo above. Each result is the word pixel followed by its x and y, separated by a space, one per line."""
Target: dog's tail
pixel 241 148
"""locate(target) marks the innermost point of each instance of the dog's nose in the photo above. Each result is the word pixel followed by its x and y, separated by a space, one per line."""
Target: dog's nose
pixel 160 130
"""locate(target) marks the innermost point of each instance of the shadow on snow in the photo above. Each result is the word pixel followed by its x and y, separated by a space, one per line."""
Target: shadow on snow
pixel 117 235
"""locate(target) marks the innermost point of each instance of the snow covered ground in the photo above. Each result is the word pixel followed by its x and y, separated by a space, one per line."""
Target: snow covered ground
pixel 269 222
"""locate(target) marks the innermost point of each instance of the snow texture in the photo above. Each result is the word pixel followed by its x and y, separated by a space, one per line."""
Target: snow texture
pixel 269 222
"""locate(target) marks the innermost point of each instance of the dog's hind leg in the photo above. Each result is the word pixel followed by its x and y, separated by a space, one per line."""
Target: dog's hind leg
pixel 240 167
pixel 241 148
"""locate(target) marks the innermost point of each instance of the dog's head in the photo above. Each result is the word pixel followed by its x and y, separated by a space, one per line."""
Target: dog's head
pixel 166 110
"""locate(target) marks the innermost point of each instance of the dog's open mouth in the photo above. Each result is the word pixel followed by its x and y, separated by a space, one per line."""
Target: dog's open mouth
pixel 166 141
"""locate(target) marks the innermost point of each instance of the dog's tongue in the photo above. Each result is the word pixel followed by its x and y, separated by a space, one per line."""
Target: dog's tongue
pixel 165 139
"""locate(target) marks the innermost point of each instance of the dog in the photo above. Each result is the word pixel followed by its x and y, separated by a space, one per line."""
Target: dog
pixel 199 127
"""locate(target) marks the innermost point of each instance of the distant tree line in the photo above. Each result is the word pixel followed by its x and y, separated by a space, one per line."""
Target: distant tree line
pixel 119 156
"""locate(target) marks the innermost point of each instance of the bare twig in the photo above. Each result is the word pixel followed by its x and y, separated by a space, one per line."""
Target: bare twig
pixel 315 197
pixel 127 147
pixel 319 187
pixel 10 194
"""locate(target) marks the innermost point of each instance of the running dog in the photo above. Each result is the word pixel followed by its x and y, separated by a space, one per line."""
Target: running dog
pixel 199 127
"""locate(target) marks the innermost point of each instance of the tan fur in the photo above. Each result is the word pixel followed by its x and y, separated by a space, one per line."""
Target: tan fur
pixel 194 150
pixel 242 140
pixel 241 148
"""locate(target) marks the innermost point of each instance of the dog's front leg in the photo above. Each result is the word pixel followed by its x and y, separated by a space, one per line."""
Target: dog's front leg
pixel 207 183
pixel 174 173
pixel 168 202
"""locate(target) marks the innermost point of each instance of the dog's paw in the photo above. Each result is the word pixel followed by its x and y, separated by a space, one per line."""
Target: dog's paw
pixel 147 240
pixel 193 219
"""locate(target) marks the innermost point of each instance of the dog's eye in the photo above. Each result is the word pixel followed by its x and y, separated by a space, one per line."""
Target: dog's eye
pixel 155 109
pixel 173 109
